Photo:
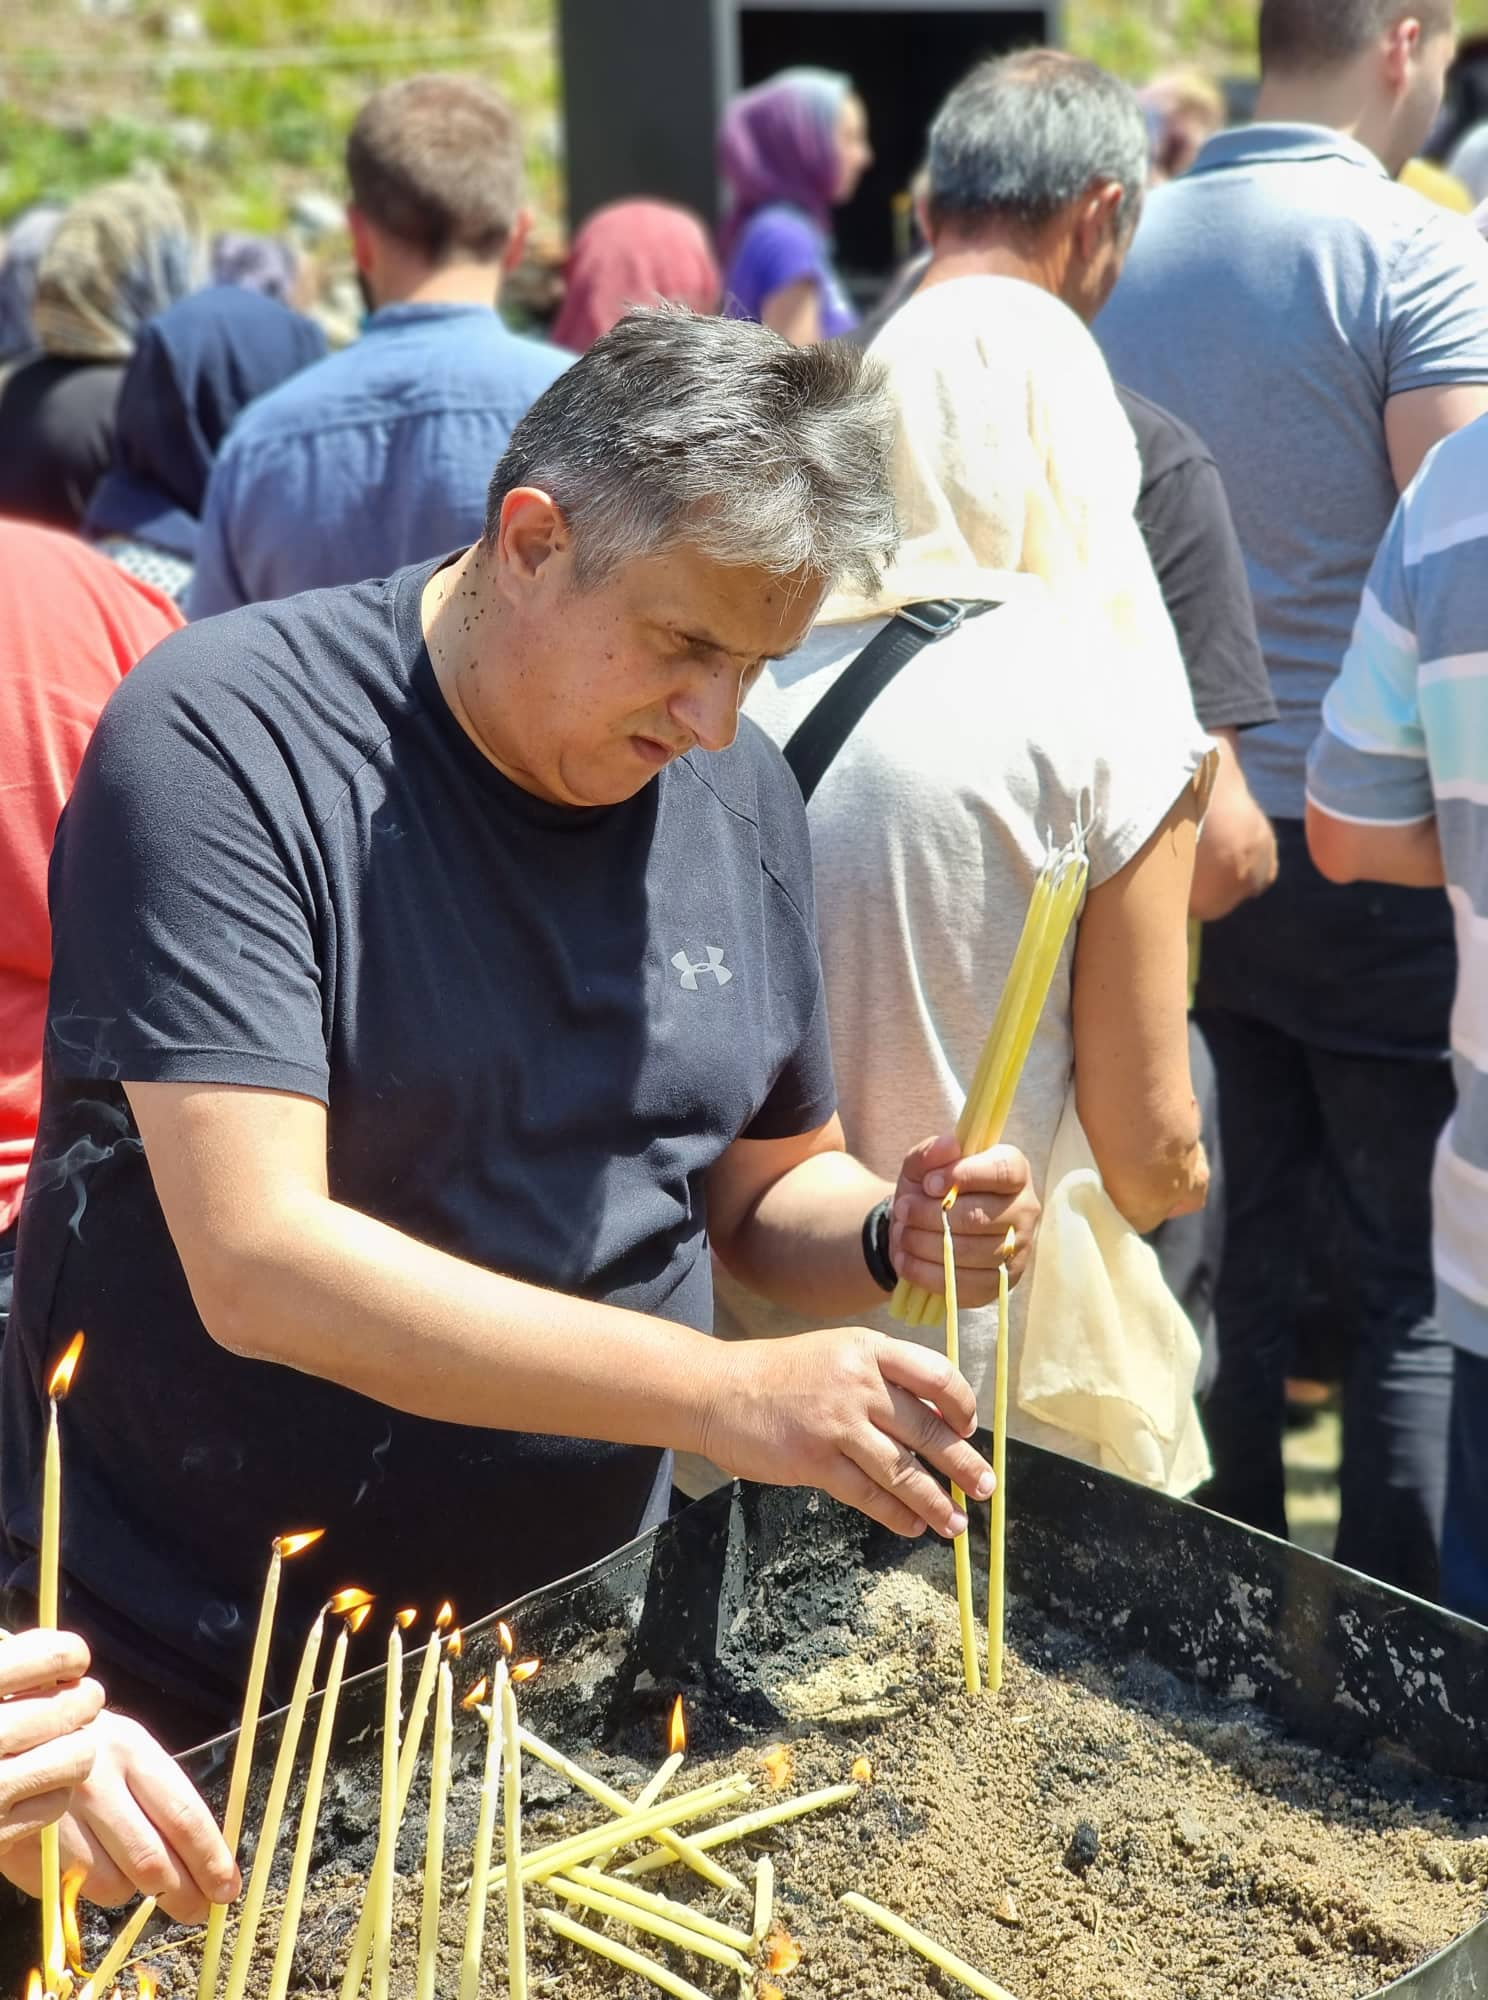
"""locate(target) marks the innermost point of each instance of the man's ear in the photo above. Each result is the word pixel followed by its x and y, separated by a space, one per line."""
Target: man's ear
pixel 1098 218
pixel 531 531
pixel 362 245
pixel 516 243
pixel 1401 46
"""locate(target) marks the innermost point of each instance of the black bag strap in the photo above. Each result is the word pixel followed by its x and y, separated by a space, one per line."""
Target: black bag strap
pixel 818 740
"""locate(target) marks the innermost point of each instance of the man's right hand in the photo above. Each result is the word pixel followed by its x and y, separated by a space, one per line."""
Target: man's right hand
pixel 47 1741
pixel 857 1413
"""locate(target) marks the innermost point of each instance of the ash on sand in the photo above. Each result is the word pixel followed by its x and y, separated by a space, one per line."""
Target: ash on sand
pixel 1094 1833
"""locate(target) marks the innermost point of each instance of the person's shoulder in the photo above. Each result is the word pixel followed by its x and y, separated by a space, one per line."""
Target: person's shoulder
pixel 776 227
pixel 1165 443
pixel 303 402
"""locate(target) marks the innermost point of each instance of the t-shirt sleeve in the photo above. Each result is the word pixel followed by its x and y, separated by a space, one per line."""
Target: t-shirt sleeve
pixel 1190 534
pixel 780 249
pixel 217 583
pixel 1369 763
pixel 183 898
pixel 1437 304
pixel 803 1095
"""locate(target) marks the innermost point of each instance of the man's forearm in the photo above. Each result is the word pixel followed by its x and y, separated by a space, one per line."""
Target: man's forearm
pixel 334 1293
pixel 801 1245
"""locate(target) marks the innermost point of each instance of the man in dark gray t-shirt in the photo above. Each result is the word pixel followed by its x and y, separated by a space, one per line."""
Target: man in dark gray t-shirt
pixel 435 985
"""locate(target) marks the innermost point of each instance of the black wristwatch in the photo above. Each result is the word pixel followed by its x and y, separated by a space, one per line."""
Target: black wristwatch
pixel 876 1247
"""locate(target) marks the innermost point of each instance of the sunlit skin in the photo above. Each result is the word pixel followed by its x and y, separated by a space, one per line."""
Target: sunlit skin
pixel 582 695
pixel 854 153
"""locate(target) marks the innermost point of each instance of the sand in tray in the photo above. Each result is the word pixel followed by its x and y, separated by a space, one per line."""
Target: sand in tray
pixel 1095 1833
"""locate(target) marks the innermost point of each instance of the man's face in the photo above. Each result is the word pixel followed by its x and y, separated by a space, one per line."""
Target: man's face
pixel 617 680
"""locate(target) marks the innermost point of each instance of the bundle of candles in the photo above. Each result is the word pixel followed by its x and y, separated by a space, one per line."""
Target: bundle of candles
pixel 1058 892
pixel 575 1871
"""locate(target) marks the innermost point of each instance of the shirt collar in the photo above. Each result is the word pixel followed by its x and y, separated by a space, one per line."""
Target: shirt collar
pixel 1268 145
pixel 413 312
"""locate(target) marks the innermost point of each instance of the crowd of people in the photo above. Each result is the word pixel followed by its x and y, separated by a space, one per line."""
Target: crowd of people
pixel 486 1033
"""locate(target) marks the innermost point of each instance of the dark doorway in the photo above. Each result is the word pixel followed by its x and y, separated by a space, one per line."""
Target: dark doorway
pixel 903 60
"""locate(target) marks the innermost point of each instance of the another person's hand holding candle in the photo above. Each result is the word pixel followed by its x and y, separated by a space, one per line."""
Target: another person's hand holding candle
pixel 130 1817
pixel 48 1737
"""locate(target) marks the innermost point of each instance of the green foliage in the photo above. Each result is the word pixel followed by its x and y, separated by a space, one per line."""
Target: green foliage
pixel 42 160
pixel 1218 35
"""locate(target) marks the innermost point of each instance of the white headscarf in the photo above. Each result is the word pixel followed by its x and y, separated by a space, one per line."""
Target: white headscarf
pixel 1013 465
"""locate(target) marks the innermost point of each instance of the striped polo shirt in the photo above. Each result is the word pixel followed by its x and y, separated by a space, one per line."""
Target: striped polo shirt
pixel 1405 738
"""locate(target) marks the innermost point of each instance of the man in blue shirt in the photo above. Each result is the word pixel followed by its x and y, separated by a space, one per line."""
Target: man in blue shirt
pixel 1325 327
pixel 380 455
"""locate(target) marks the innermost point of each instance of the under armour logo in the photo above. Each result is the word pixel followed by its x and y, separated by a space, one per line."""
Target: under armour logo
pixel 712 963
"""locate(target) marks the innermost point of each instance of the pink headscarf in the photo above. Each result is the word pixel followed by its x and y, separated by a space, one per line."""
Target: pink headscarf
pixel 779 144
pixel 635 253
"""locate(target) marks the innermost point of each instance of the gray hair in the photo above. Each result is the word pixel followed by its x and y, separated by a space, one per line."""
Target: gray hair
pixel 678 430
pixel 1025 135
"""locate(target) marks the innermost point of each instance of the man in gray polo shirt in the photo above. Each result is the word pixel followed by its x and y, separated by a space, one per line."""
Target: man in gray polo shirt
pixel 1326 327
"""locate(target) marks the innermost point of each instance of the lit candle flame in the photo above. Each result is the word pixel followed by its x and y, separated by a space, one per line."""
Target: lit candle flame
pixel 444 1617
pixel 65 1369
pixel 403 1619
pixel 677 1735
pixel 782 1953
pixel 478 1693
pixel 524 1670
pixel 780 1767
pixel 147 1986
pixel 293 1545
pixel 769 1992
pixel 35 1990
pixel 358 1618
pixel 950 1201
pixel 454 1645
pixel 862 1771
pixel 72 1884
pixel 349 1600
pixel 504 1634
pixel 1009 1243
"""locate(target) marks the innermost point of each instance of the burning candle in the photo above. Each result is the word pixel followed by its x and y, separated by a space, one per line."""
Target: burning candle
pixel 485 1835
pixel 284 1547
pixel 617 1803
pixel 652 1790
pixel 268 1833
pixel 964 1605
pixel 384 1868
pixel 997 1538
pixel 745 1825
pixel 355 1607
pixel 118 1951
pixel 439 1785
pixel 516 1910
pixel 48 1600
pixel 413 1736
pixel 558 1856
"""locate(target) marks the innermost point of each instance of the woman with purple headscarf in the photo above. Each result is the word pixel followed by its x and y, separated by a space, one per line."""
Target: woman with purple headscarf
pixel 791 150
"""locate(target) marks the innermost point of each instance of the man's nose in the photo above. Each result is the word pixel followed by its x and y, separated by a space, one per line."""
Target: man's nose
pixel 709 710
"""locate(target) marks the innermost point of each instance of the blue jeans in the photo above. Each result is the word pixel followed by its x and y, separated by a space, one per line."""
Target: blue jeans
pixel 1465 1534
pixel 1326 1009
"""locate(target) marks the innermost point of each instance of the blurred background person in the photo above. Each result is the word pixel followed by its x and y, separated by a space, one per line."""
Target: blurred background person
pixel 381 454
pixel 1324 328
pixel 196 369
pixel 119 255
pixel 634 253
pixel 1184 110
pixel 791 150
pixel 258 263
pixel 71 627
pixel 20 257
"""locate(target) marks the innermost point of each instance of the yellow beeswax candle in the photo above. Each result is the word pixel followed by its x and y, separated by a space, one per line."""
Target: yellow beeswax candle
pixel 997 1537
pixel 962 1546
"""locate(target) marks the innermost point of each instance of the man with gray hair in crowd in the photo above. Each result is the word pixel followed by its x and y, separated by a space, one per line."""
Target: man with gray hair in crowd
pixel 1036 171
pixel 1327 328
pixel 435 984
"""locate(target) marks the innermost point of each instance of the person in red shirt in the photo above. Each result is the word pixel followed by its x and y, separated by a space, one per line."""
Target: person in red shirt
pixel 72 624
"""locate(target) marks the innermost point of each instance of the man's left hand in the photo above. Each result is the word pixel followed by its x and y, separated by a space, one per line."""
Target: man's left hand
pixel 994 1193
